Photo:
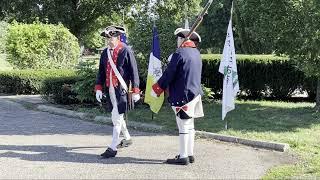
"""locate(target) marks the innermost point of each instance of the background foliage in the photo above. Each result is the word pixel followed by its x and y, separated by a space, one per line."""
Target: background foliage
pixel 40 46
pixel 282 27
pixel 167 15
pixel 3 32
pixel 76 15
pixel 28 81
pixel 260 76
pixel 84 87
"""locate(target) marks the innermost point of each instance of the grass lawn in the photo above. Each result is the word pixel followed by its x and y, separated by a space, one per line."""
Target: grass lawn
pixel 294 123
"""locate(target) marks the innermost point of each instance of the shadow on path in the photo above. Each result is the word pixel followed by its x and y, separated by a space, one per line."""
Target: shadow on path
pixel 66 154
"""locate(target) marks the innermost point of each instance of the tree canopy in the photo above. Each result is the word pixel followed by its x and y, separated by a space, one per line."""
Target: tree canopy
pixel 283 27
pixel 76 15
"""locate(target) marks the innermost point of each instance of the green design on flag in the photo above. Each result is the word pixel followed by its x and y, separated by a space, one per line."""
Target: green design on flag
pixel 228 67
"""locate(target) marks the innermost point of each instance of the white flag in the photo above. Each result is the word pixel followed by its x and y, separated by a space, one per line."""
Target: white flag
pixel 154 73
pixel 228 67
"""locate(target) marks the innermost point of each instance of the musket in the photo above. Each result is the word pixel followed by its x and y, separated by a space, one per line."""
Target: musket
pixel 198 20
pixel 130 99
pixel 130 102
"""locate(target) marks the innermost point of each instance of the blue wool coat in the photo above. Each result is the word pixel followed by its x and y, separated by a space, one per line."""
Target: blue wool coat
pixel 127 67
pixel 183 76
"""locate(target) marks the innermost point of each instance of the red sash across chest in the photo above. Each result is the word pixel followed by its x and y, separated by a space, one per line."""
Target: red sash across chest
pixel 114 55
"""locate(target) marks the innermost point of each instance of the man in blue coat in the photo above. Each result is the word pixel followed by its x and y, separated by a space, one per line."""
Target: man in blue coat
pixel 117 68
pixel 183 79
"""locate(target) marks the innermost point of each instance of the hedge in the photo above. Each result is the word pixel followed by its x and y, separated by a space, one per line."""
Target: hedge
pixel 260 76
pixel 28 81
pixel 59 90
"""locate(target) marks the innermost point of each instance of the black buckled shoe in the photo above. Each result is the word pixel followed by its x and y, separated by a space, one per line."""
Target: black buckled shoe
pixel 124 143
pixel 191 159
pixel 109 153
pixel 179 161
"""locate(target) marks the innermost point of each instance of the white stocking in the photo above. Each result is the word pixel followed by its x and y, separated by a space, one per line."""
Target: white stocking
pixel 183 126
pixel 124 130
pixel 191 138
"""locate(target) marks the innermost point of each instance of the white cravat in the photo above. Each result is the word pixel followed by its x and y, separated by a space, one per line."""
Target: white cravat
pixel 111 52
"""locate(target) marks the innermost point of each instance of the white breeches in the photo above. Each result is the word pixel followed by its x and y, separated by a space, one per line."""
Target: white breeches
pixel 119 125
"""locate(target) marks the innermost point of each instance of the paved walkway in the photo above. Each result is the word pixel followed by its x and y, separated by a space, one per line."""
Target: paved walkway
pixel 37 144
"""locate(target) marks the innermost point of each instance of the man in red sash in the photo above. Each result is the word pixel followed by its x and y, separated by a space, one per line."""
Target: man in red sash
pixel 117 68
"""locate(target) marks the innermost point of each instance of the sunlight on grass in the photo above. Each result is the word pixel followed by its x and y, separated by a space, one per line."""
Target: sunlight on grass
pixel 294 123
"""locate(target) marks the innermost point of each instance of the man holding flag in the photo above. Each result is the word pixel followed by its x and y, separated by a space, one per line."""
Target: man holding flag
pixel 183 78
pixel 228 67
pixel 154 73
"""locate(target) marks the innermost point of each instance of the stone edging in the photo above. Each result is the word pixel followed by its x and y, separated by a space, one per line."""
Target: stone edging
pixel 100 119
pixel 254 143
pixel 104 119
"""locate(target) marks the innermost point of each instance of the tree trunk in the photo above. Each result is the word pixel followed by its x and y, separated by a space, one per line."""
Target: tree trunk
pixel 318 96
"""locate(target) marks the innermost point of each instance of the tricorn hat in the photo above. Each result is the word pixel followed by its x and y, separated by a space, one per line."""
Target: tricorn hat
pixel 112 31
pixel 181 32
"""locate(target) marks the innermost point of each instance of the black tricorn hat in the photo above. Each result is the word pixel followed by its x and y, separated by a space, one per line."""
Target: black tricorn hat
pixel 181 32
pixel 112 31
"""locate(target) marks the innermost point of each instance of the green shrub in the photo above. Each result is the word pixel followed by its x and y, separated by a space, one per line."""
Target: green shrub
pixel 59 90
pixel 310 85
pixel 259 76
pixel 3 32
pixel 78 88
pixel 60 86
pixel 84 87
pixel 41 46
pixel 28 81
pixel 207 94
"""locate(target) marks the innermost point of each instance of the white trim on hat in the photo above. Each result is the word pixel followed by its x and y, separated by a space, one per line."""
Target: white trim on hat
pixel 116 29
pixel 184 32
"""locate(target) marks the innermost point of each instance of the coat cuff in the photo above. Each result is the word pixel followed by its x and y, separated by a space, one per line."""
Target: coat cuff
pixel 157 89
pixel 136 90
pixel 97 87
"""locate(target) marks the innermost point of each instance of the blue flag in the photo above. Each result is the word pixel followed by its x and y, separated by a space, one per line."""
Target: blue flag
pixel 154 73
pixel 123 38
